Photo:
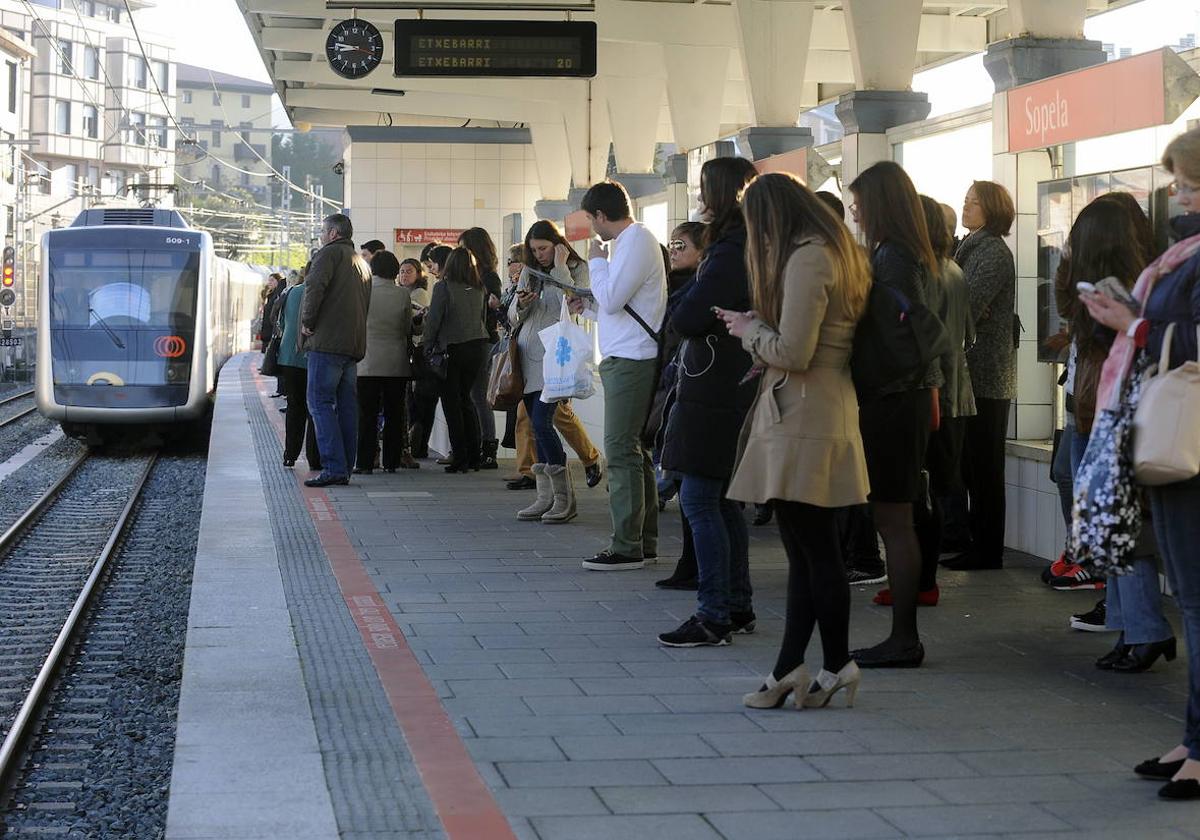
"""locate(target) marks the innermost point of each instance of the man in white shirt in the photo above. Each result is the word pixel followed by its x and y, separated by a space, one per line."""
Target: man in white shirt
pixel 629 288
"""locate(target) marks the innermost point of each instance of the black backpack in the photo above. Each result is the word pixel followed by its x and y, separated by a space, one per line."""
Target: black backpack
pixel 896 341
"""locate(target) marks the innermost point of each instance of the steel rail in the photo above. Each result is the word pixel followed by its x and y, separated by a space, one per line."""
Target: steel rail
pixel 10 752
pixel 34 511
pixel 16 397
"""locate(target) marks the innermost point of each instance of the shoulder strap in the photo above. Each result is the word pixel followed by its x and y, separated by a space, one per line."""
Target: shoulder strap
pixel 643 324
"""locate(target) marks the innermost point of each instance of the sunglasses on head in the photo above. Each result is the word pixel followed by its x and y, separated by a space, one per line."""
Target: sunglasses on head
pixel 676 245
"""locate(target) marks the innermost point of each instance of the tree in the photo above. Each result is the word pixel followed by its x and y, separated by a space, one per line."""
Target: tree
pixel 308 154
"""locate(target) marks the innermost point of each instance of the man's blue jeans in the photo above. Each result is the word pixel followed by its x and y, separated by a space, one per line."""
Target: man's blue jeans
pixel 722 548
pixel 333 403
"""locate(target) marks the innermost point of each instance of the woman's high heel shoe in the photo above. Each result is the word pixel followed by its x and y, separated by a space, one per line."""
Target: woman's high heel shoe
pixel 774 692
pixel 1140 658
pixel 828 684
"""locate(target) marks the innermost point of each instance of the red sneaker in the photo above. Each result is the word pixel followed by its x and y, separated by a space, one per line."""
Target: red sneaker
pixel 1056 569
pixel 928 598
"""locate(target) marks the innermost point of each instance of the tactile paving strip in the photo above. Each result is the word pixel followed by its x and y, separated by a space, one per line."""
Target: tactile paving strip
pixel 376 789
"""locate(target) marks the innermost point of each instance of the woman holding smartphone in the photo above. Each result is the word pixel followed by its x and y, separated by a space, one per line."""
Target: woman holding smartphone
pixel 802 449
pixel 538 305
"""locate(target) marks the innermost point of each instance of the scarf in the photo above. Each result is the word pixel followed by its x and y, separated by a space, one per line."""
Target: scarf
pixel 1120 358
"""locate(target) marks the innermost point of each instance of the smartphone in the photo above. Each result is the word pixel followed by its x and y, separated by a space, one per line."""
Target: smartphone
pixel 1086 287
pixel 1113 287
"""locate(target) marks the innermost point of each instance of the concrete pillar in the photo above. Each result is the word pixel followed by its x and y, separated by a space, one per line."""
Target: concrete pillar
pixel 883 51
pixel 601 137
pixel 553 158
pixel 1048 18
pixel 774 37
pixel 557 210
pixel 695 92
pixel 640 184
pixel 676 179
pixel 866 116
pixel 632 93
pixel 883 41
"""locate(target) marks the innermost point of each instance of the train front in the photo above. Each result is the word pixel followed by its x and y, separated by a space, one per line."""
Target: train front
pixel 118 329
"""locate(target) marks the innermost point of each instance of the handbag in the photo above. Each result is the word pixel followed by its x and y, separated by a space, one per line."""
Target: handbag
pixel 506 384
pixel 270 362
pixel 1166 426
pixel 437 361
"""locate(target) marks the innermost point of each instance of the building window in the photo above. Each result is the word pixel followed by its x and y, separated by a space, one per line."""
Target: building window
pixel 158 132
pixel 245 179
pixel 162 74
pixel 88 7
pixel 137 130
pixel 64 58
pixel 62 116
pixel 137 72
pixel 187 97
pixel 9 171
pixel 12 87
pixel 111 12
pixel 93 176
pixel 216 173
pixel 245 100
pixel 91 62
pixel 216 138
pixel 91 123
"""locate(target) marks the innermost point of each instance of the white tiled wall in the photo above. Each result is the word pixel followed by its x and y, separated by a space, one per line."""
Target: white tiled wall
pixel 438 185
pixel 1034 522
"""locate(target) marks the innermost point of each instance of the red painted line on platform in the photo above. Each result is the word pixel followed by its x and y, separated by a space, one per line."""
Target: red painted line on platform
pixel 463 802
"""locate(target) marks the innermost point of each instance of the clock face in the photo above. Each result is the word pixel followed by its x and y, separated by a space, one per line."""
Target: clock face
pixel 354 48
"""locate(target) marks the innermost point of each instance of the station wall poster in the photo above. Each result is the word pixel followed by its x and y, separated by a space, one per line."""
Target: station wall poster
pixel 419 236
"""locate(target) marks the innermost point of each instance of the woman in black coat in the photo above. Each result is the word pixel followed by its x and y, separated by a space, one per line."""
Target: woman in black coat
pixel 705 417
pixel 685 249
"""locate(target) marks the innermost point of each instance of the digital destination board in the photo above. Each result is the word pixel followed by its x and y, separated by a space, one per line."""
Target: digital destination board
pixel 495 48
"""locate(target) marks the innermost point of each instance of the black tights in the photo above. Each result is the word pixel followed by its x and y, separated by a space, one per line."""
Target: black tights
pixel 817 593
pixel 928 520
pixel 895 523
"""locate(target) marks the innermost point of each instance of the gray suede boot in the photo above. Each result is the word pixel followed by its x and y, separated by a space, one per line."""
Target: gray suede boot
pixel 564 495
pixel 545 496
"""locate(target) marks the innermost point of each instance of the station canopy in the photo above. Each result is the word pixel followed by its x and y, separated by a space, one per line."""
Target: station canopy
pixel 681 72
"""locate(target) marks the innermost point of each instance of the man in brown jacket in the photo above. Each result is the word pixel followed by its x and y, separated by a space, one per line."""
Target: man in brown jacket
pixel 333 328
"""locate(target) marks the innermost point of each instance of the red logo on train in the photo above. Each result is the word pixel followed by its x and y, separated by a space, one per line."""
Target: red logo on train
pixel 170 346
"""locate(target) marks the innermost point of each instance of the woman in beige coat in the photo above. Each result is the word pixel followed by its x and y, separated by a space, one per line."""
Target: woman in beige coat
pixel 801 449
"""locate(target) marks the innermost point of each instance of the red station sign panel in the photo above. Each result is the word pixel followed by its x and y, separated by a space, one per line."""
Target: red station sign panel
pixel 419 236
pixel 1142 91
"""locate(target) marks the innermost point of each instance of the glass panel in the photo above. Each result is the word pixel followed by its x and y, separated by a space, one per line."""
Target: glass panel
pixel 122 315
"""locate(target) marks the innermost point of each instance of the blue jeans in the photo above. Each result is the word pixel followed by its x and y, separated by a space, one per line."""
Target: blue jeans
pixel 333 403
pixel 541 418
pixel 1176 512
pixel 722 547
pixel 1134 605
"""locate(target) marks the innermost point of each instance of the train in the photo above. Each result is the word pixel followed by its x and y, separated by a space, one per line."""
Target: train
pixel 136 316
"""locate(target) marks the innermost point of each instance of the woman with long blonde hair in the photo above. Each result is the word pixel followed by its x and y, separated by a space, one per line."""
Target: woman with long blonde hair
pixel 802 450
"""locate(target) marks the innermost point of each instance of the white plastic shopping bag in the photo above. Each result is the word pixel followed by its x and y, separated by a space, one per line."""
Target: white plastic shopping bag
pixel 567 366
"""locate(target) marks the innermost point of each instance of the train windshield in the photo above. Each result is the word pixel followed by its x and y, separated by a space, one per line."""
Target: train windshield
pixel 122 315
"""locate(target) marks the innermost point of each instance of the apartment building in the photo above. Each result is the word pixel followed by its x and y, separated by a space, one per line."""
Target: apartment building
pixel 230 119
pixel 14 113
pixel 101 130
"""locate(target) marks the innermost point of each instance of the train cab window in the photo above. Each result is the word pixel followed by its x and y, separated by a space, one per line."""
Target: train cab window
pixel 124 289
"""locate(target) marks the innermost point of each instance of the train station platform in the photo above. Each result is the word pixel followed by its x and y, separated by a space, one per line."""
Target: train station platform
pixel 402 658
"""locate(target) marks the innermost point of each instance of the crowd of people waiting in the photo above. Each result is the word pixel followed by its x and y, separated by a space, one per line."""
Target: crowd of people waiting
pixel 766 358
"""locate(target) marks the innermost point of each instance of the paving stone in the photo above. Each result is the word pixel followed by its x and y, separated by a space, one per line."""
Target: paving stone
pixel 582 747
pixel 810 825
pixel 670 827
pixel 1010 789
pixel 514 749
pixel 784 743
pixel 757 770
pixel 867 767
pixel 1027 762
pixel 549 802
pixel 520 774
pixel 485 726
pixel 514 687
pixel 686 799
pixel 696 724
pixel 807 796
pixel 623 704
pixel 960 820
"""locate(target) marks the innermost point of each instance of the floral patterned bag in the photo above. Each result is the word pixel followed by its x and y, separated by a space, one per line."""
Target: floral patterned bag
pixel 1107 518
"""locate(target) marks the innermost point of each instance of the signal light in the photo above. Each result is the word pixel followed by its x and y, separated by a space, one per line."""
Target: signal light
pixel 9 275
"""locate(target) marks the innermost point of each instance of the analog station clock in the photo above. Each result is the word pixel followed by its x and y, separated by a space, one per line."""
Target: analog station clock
pixel 354 48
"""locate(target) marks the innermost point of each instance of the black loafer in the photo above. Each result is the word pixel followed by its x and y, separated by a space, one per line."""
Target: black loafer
pixel 1182 789
pixel 592 474
pixel 525 482
pixel 289 462
pixel 878 657
pixel 1140 658
pixel 1157 770
pixel 363 470
pixel 1108 660
pixel 327 481
pixel 683 584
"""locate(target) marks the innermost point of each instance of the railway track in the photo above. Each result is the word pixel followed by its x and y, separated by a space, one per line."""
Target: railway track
pixel 53 562
pixel 12 408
